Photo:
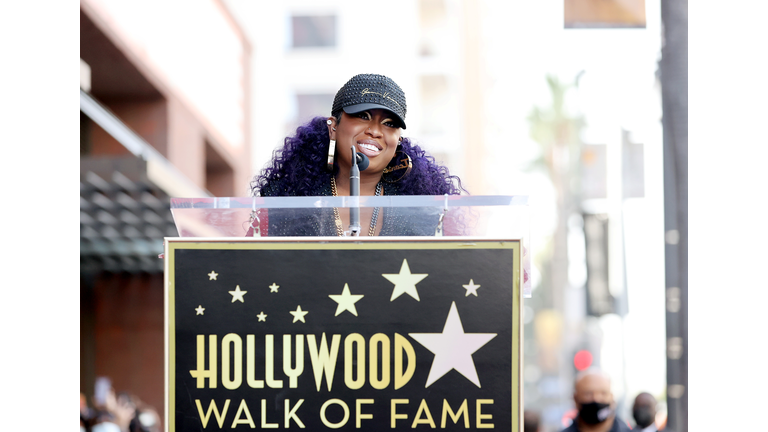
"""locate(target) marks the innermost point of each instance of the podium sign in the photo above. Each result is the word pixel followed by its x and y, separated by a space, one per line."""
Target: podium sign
pixel 343 334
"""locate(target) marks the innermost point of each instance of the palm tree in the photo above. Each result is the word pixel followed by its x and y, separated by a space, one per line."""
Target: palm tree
pixel 558 133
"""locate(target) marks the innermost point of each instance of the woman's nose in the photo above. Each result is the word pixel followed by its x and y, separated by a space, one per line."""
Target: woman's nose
pixel 374 131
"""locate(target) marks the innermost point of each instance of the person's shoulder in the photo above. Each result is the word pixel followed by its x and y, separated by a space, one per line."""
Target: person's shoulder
pixel 619 425
pixel 273 188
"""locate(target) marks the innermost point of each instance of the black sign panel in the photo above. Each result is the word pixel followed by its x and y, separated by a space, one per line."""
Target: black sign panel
pixel 343 335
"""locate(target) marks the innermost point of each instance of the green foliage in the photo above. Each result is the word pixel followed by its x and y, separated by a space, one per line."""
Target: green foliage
pixel 557 131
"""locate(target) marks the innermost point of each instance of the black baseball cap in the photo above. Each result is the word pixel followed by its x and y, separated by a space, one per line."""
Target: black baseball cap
pixel 369 91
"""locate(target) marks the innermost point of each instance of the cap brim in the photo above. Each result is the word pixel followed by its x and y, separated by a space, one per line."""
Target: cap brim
pixel 354 109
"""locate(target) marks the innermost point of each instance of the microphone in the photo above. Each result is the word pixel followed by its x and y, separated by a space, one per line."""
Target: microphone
pixel 362 161
pixel 359 162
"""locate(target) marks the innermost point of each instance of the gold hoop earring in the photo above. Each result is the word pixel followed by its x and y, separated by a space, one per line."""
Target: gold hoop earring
pixel 331 149
pixel 398 163
pixel 331 155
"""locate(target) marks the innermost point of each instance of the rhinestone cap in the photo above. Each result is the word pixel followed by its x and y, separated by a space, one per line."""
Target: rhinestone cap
pixel 368 91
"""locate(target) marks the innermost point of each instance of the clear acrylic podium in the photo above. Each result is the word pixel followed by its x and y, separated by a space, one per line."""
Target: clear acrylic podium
pixel 487 217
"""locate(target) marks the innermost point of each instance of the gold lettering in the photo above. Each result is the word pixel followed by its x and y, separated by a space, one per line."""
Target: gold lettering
pixel 201 373
pixel 323 361
pixel 294 373
pixel 402 165
pixel 247 420
pixel 343 406
pixel 403 346
pixel 463 411
pixel 212 408
pixel 269 353
pixel 251 363
pixel 394 416
pixel 425 409
pixel 379 338
pixel 226 341
pixel 480 416
pixel 291 414
pixel 264 424
pixel 383 96
pixel 359 416
pixel 349 363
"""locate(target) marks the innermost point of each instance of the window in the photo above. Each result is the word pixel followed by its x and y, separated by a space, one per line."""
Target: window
pixel 315 31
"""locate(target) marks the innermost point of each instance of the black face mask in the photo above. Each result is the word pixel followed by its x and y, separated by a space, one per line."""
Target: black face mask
pixel 643 416
pixel 595 412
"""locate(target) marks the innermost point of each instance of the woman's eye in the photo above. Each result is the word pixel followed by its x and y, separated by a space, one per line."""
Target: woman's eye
pixel 390 124
pixel 364 115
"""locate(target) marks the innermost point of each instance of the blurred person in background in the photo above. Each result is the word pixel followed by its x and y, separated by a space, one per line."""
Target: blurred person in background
pixel 595 404
pixel 85 414
pixel 121 412
pixel 531 421
pixel 644 412
pixel 112 413
pixel 144 419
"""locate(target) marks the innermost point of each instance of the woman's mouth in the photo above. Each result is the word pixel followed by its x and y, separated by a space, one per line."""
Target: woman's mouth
pixel 369 148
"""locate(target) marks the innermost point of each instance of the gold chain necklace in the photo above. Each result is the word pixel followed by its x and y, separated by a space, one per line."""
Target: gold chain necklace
pixel 337 218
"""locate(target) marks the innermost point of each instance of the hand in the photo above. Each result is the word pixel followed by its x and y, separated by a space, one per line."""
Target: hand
pixel 122 409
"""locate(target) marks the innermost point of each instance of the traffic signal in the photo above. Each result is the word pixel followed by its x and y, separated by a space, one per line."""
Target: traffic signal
pixel 582 360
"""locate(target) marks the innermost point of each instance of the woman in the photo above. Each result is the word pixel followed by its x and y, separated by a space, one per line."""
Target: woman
pixel 368 114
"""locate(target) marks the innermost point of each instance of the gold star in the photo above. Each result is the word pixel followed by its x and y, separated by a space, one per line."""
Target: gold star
pixel 298 314
pixel 212 275
pixel 200 310
pixel 262 317
pixel 471 288
pixel 237 294
pixel 273 287
pixel 346 301
pixel 405 282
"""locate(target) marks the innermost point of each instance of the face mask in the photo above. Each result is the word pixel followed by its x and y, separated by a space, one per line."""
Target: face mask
pixel 642 416
pixel 595 412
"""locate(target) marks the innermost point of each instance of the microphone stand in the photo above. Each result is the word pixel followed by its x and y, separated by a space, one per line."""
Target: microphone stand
pixel 354 194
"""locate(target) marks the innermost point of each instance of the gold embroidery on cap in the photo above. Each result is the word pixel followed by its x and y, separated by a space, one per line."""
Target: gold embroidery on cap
pixel 384 96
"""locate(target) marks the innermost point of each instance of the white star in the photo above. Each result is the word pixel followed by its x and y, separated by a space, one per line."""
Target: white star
pixel 237 294
pixel 200 310
pixel 471 288
pixel 346 301
pixel 298 314
pixel 405 282
pixel 212 275
pixel 273 287
pixel 453 348
pixel 262 317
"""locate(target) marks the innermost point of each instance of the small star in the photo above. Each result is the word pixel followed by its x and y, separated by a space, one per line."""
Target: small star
pixel 200 310
pixel 212 275
pixel 298 314
pixel 471 288
pixel 273 287
pixel 346 301
pixel 262 317
pixel 237 294
pixel 405 282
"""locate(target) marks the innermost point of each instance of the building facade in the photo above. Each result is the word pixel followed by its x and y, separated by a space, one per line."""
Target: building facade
pixel 163 101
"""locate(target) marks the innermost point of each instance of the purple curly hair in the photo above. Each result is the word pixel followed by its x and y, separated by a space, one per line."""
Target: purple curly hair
pixel 299 167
